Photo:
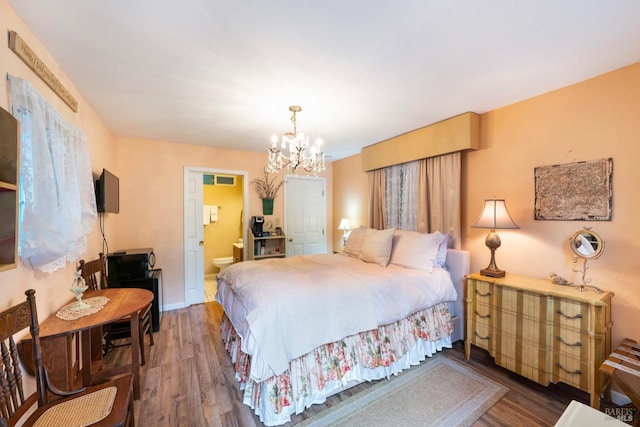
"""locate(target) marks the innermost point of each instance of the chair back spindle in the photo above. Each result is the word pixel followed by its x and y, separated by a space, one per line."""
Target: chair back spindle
pixel 13 321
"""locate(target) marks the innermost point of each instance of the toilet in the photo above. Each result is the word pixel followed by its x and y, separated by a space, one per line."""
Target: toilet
pixel 223 262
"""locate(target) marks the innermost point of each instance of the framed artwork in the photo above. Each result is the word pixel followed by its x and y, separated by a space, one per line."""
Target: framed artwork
pixel 579 191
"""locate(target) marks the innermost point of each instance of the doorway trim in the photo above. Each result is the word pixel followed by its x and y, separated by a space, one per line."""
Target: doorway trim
pixel 245 201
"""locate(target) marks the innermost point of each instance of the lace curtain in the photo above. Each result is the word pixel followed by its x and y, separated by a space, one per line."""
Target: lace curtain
pixel 57 206
pixel 401 193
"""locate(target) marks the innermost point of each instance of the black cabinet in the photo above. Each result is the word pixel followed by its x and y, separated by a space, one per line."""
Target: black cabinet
pixel 153 283
pixel 133 268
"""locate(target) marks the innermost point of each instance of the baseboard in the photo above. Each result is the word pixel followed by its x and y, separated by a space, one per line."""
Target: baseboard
pixel 176 306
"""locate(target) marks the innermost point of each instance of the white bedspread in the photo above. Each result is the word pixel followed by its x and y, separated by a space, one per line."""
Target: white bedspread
pixel 284 308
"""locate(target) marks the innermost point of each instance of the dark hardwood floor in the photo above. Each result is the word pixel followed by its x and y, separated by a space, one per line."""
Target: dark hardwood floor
pixel 189 381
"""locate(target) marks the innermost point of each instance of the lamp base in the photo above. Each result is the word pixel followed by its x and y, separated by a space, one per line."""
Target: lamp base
pixel 492 272
pixel 493 243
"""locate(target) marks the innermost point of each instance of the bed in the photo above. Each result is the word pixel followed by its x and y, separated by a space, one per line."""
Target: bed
pixel 302 328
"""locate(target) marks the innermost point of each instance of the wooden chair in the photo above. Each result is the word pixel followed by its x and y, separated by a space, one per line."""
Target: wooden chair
pixel 94 274
pixel 107 404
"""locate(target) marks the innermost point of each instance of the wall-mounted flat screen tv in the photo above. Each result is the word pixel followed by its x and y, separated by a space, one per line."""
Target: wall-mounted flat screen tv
pixel 108 193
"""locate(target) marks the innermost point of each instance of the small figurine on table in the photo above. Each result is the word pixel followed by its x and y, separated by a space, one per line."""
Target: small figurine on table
pixel 78 287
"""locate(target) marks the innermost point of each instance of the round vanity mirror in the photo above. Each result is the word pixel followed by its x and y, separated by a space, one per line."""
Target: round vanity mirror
pixel 587 244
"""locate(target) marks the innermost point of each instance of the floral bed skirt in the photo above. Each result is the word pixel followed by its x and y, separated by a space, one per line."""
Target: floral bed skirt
pixel 370 355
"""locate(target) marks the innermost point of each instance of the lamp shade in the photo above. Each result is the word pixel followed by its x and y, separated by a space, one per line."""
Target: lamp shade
pixel 495 216
pixel 344 224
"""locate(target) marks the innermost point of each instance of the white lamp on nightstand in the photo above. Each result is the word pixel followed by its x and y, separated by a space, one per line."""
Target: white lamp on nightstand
pixel 345 227
pixel 494 215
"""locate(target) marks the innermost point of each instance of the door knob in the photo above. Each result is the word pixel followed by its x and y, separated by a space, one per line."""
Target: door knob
pixel 201 243
pixel 291 239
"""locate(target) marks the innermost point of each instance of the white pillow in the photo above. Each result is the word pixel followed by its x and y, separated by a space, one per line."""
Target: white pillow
pixel 415 250
pixel 376 247
pixel 354 242
pixel 441 257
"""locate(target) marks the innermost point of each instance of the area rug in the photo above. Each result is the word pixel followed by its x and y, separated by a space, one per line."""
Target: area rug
pixel 439 392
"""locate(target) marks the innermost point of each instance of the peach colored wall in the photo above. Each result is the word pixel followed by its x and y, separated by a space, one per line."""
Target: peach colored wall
pixel 594 119
pixel 350 196
pixel 151 198
pixel 52 290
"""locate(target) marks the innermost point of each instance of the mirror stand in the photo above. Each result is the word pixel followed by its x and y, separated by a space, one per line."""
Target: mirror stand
pixel 586 245
pixel 585 281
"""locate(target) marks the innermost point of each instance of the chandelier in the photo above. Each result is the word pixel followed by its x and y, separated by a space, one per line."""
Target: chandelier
pixel 301 154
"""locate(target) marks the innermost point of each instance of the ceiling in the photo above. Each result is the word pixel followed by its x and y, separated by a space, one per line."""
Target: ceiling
pixel 224 72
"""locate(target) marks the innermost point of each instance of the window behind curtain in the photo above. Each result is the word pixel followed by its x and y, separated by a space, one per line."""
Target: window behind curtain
pixel 401 191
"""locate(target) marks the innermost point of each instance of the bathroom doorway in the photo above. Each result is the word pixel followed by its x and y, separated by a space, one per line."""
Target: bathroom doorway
pixel 214 220
pixel 223 209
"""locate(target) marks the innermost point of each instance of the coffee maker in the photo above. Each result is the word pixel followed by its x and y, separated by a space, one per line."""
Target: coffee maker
pixel 256 225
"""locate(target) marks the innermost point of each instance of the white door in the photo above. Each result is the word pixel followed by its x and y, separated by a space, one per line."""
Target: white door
pixel 305 215
pixel 193 238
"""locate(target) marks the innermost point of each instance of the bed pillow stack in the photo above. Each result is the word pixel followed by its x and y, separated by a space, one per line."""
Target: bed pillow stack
pixel 419 251
pixel 409 249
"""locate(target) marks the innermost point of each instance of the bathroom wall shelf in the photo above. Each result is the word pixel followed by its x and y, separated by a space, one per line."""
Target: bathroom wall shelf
pixel 267 247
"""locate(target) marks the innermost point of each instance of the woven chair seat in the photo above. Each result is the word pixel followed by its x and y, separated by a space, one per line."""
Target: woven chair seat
pixel 81 411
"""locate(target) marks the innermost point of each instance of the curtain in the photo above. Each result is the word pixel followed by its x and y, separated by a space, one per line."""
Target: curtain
pixel 422 195
pixel 443 193
pixel 376 199
pixel 57 207
pixel 401 195
pixel 422 204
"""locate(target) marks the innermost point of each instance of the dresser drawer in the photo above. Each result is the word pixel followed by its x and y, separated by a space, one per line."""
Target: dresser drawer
pixel 571 371
pixel 525 328
pixel 526 305
pixel 522 314
pixel 571 315
pixel 571 343
pixel 480 332
pixel 480 292
pixel 524 359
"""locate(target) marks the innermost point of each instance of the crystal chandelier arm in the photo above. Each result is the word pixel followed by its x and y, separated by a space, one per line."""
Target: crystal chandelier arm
pixel 302 154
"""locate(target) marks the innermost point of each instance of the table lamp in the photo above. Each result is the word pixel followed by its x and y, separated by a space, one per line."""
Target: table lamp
pixel 494 215
pixel 345 227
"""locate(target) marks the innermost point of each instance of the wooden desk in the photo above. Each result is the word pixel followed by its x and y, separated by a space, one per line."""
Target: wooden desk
pixel 122 303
